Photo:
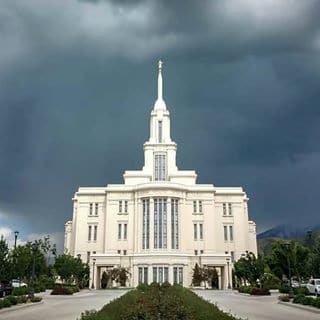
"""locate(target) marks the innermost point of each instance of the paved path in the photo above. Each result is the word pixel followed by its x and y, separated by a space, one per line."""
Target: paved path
pixel 255 308
pixel 63 307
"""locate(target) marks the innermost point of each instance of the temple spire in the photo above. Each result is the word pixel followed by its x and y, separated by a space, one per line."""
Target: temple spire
pixel 160 104
pixel 160 80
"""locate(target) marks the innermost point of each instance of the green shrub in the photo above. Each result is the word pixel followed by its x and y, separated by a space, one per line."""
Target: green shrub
pixel 22 299
pixel 316 303
pixel 158 302
pixel 20 291
pixel 36 299
pixel 260 292
pixel 61 291
pixel 6 303
pixel 298 298
pixel 302 290
pixel 245 289
pixel 1 304
pixel 284 298
pixel 13 300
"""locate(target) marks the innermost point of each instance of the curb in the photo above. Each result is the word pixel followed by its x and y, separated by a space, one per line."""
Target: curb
pixel 300 306
pixel 21 306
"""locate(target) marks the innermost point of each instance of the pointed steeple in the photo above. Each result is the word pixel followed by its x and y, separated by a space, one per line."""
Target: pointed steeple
pixel 160 104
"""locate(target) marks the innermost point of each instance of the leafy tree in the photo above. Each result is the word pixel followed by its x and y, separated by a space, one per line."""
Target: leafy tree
pixel 295 253
pixel 71 269
pixel 197 276
pixel 5 263
pixel 250 269
pixel 314 260
pixel 104 280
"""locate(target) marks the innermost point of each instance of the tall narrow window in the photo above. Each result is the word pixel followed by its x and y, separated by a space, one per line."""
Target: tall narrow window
pixel 160 167
pixel 140 275
pixel 145 223
pixel 232 256
pixel 194 206
pixel 181 275
pixel 224 208
pixel 160 223
pixel 145 275
pixel 201 231
pixel 174 224
pixel 125 227
pixel 90 209
pixel 88 256
pixel 200 206
pixel 119 231
pixel 175 275
pixel 230 209
pixel 225 232
pixel 95 233
pixel 165 274
pixel 96 209
pixel 160 131
pixel 120 206
pixel 195 231
pixel 89 233
pixel 231 233
pixel 126 206
pixel 154 274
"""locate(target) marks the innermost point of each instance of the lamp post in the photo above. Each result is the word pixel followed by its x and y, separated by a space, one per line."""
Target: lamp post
pixel 291 293
pixel 16 233
pixel 34 250
pixel 93 272
pixel 228 262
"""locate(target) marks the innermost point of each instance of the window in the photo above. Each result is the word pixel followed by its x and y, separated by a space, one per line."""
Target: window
pixel 89 233
pixel 178 275
pixel 90 209
pixel 160 131
pixel 231 233
pixel 225 231
pixel 160 223
pixel 120 206
pixel 125 227
pixel 160 167
pixel 174 224
pixel 201 251
pixel 119 251
pixel 195 252
pixel 195 231
pixel 154 274
pixel 201 231
pixel 224 209
pixel 145 223
pixel 194 206
pixel 145 275
pixel 160 274
pixel 124 252
pixel 175 275
pixel 200 206
pixel 88 256
pixel 230 209
pixel 140 275
pixel 119 231
pixel 232 256
pixel 96 207
pixel 95 232
pixel 126 206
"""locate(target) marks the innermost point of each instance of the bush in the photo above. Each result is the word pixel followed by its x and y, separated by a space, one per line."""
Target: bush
pixel 260 292
pixel 245 289
pixel 22 299
pixel 13 300
pixel 302 290
pixel 20 291
pixel 284 298
pixel 316 303
pixel 36 299
pixel 158 302
pixel 61 291
pixel 6 303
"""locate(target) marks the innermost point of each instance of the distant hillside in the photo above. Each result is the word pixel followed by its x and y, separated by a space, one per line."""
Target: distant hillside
pixel 267 238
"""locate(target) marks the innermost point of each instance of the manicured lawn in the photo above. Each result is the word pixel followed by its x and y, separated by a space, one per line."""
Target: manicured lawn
pixel 154 302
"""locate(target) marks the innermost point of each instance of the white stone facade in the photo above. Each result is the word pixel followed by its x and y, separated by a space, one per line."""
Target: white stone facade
pixel 160 222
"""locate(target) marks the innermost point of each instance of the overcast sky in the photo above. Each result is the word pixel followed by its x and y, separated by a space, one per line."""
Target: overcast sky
pixel 78 80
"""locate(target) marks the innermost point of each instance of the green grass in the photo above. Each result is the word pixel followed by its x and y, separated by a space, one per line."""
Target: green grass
pixel 154 302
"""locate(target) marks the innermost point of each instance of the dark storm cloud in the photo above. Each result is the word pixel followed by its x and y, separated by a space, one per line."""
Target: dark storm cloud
pixel 77 81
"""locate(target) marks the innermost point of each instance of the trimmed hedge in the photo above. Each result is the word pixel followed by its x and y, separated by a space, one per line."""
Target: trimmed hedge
pixel 158 302
pixel 301 290
pixel 254 291
pixel 307 301
pixel 20 291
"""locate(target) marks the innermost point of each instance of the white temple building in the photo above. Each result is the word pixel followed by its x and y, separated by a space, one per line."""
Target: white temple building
pixel 159 223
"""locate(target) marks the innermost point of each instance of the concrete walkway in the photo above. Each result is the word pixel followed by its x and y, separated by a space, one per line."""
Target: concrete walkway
pixel 63 307
pixel 255 308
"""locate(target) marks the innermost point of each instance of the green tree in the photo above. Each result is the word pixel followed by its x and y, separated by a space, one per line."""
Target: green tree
pixel 296 253
pixel 5 263
pixel 197 276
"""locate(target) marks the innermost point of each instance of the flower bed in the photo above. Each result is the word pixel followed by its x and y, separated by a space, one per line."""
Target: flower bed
pixel 11 300
pixel 155 302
